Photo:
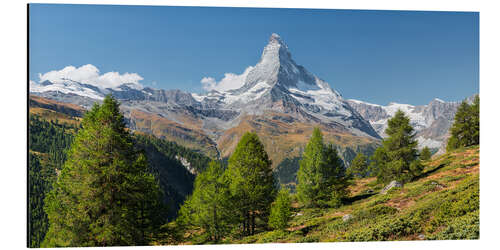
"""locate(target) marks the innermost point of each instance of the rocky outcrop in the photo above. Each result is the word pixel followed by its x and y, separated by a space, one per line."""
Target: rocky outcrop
pixel 393 184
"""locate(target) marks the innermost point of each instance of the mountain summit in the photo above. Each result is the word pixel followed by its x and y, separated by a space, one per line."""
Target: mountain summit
pixel 277 83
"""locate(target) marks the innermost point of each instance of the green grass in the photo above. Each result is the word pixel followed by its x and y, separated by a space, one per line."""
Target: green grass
pixel 443 204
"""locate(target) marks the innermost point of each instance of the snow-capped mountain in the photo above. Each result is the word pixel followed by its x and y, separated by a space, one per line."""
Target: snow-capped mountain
pixel 277 98
pixel 275 83
pixel 431 121
pixel 276 75
pixel 279 84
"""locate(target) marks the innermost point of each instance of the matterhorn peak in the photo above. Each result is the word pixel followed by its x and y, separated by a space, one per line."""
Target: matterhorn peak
pixel 275 38
pixel 276 49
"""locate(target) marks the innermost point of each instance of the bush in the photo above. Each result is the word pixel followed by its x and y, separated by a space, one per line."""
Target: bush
pixel 384 230
pixel 464 227
pixel 373 212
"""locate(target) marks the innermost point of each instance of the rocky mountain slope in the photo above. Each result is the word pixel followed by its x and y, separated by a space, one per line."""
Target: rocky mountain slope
pixel 277 98
pixel 431 121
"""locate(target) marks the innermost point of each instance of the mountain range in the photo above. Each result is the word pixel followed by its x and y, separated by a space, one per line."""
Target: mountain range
pixel 277 98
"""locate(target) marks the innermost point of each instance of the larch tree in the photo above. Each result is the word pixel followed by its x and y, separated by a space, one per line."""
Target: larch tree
pixel 281 210
pixel 209 207
pixel 465 129
pixel 336 180
pixel 251 182
pixel 398 160
pixel 359 166
pixel 321 176
pixel 104 194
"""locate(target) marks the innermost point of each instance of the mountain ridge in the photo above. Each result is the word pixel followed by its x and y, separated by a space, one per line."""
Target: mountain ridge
pixel 274 90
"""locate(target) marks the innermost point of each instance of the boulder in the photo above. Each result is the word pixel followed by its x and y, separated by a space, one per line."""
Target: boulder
pixel 391 185
pixel 347 217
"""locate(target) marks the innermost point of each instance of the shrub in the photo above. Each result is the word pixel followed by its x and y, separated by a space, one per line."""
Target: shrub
pixel 280 210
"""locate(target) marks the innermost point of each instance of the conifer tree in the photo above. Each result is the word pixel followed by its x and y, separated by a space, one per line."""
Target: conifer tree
pixel 104 195
pixel 359 166
pixel 425 154
pixel 398 160
pixel 335 179
pixel 321 176
pixel 308 177
pixel 465 129
pixel 280 210
pixel 209 207
pixel 251 181
pixel 475 121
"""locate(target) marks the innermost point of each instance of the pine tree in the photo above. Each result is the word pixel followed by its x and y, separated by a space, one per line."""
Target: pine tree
pixel 321 176
pixel 359 166
pixel 308 177
pixel 335 179
pixel 475 121
pixel 425 154
pixel 104 195
pixel 398 160
pixel 251 181
pixel 280 210
pixel 209 206
pixel 465 129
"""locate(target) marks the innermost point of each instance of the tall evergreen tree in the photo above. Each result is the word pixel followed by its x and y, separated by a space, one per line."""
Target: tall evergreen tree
pixel 335 179
pixel 398 160
pixel 377 163
pixel 475 121
pixel 359 166
pixel 104 195
pixel 209 207
pixel 308 176
pixel 251 181
pixel 321 176
pixel 280 210
pixel 465 129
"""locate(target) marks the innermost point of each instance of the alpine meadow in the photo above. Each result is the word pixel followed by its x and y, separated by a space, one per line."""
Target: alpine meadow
pixel 274 154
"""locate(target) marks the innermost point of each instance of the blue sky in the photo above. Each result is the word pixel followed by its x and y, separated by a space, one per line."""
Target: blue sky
pixel 375 56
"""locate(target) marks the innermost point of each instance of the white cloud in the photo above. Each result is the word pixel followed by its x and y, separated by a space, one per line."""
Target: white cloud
pixel 230 81
pixel 208 83
pixel 89 74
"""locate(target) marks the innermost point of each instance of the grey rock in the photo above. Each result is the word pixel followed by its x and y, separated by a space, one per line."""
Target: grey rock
pixel 390 186
pixel 346 217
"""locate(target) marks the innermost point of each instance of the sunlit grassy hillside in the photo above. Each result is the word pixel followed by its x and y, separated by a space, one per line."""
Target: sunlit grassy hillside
pixel 442 204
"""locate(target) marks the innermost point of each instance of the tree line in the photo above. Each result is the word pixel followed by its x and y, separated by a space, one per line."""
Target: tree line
pixel 106 196
pixel 47 142
pixel 398 157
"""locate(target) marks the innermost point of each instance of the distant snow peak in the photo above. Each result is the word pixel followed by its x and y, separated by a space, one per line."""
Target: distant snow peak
pixel 90 74
pixel 366 103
